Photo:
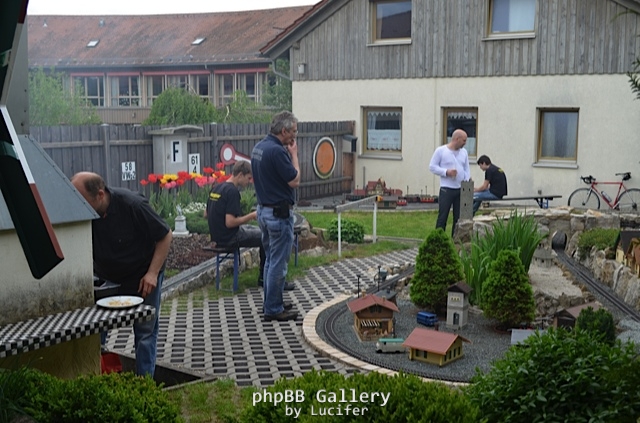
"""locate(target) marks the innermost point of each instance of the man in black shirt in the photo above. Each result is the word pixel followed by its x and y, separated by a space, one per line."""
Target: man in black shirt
pixel 130 246
pixel 494 186
pixel 224 214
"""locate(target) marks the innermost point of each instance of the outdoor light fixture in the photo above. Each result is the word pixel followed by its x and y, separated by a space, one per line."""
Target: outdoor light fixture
pixel 301 68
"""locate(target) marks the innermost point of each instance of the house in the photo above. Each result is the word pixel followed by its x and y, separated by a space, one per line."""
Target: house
pixel 622 244
pixel 566 318
pixel 539 86
pixel 373 317
pixel 434 347
pixel 122 63
pixel 458 305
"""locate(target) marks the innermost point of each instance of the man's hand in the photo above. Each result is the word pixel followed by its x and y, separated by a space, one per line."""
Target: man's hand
pixel 452 173
pixel 148 283
pixel 293 148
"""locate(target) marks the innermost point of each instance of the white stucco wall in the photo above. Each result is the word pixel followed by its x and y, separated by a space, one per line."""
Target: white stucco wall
pixel 68 286
pixel 608 132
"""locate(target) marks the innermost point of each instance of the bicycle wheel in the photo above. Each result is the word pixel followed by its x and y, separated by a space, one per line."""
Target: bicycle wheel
pixel 584 198
pixel 629 200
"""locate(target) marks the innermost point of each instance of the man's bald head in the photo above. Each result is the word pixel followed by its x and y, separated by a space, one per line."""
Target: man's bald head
pixel 92 187
pixel 458 139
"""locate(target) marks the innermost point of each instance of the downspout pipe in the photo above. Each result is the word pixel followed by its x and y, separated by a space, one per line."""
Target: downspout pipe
pixel 281 75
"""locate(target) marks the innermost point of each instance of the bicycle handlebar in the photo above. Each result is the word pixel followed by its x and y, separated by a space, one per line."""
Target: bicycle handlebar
pixel 588 179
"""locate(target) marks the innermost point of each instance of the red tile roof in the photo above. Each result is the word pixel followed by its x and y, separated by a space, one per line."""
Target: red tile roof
pixel 432 340
pixel 143 40
pixel 369 300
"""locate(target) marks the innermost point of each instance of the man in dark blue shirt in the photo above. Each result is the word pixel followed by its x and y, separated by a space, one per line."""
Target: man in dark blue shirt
pixel 130 246
pixel 276 174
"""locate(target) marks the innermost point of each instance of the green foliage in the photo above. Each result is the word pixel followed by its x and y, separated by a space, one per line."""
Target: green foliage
pixel 599 324
pixel 50 104
pixel 242 110
pixel 177 106
pixel 13 384
pixel 247 200
pixel 277 95
pixel 600 238
pixel 634 78
pixel 351 231
pixel 121 397
pixel 410 400
pixel 438 266
pixel 560 376
pixel 475 266
pixel 507 294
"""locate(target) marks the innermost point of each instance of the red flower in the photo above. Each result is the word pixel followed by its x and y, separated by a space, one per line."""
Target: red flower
pixel 152 178
pixel 184 175
pixel 208 170
pixel 220 166
pixel 180 182
pixel 144 182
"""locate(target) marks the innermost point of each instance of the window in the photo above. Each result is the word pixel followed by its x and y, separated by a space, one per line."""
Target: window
pixel 512 16
pixel 391 20
pixel 91 89
pixel 125 91
pixel 229 83
pixel 382 130
pixel 465 118
pixel 201 85
pixel 155 86
pixel 178 81
pixel 558 134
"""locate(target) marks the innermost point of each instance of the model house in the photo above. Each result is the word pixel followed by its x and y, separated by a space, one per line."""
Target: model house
pixel 122 63
pixel 623 242
pixel 539 86
pixel 567 318
pixel 458 305
pixel 434 347
pixel 372 317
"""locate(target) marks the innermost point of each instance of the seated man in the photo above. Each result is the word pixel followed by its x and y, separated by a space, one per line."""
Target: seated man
pixel 494 186
pixel 224 214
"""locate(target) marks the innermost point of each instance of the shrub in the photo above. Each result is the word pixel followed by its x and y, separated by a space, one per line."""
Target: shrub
pixel 352 231
pixel 475 266
pixel 599 324
pixel 410 400
pixel 560 376
pixel 600 238
pixel 437 267
pixel 121 397
pixel 507 294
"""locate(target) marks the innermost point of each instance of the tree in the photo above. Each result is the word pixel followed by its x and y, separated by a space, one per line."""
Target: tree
pixel 598 323
pixel 438 266
pixel 51 104
pixel 242 110
pixel 177 106
pixel 634 78
pixel 507 295
pixel 277 95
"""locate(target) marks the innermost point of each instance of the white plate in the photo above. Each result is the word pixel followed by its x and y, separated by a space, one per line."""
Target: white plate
pixel 119 301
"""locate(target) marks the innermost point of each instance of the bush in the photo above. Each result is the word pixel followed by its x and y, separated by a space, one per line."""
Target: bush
pixel 410 400
pixel 560 376
pixel 114 397
pixel 600 238
pixel 507 294
pixel 599 324
pixel 352 231
pixel 437 268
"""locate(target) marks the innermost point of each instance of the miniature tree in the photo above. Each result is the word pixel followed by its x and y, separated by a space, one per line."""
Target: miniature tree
pixel 506 294
pixel 598 323
pixel 438 266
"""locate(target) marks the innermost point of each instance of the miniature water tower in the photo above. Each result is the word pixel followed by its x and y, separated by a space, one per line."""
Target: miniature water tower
pixel 458 305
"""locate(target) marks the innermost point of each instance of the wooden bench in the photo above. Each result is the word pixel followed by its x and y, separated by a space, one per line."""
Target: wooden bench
pixel 542 200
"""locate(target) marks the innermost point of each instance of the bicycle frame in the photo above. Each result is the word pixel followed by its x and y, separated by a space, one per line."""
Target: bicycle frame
pixel 615 200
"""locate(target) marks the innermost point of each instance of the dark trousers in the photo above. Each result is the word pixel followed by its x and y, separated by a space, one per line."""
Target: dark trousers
pixel 250 236
pixel 448 197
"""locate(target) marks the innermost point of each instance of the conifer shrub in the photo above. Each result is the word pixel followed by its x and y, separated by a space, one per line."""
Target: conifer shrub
pixel 560 376
pixel 599 323
pixel 438 266
pixel 507 295
pixel 410 400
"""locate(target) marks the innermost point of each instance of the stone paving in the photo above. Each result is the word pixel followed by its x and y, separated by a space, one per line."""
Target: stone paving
pixel 228 338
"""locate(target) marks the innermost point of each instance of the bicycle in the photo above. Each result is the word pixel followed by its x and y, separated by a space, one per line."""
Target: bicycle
pixel 626 200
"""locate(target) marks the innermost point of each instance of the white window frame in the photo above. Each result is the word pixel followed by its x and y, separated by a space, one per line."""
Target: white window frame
pixel 381 142
pixel 84 82
pixel 130 97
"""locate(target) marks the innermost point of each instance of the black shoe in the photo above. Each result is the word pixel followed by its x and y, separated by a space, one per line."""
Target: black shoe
pixel 282 317
pixel 288 306
pixel 289 286
pixel 260 282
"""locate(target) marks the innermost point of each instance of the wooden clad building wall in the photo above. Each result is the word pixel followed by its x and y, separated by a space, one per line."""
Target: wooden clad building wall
pixel 448 40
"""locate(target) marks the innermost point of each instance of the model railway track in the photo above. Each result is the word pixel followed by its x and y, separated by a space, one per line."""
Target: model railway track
pixel 582 274
pixel 337 341
pixel 585 277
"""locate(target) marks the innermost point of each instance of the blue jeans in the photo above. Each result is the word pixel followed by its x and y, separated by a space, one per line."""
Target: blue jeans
pixel 446 198
pixel 146 334
pixel 277 240
pixel 480 196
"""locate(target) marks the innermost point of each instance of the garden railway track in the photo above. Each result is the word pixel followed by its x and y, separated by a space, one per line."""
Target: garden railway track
pixel 582 275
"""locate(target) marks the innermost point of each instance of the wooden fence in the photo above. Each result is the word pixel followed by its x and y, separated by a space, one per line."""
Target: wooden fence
pixel 105 149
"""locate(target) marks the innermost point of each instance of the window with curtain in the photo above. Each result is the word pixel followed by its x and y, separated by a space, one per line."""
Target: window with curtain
pixel 465 118
pixel 512 16
pixel 390 20
pixel 558 134
pixel 383 130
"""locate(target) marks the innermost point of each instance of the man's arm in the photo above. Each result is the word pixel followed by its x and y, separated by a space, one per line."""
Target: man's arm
pixel 483 187
pixel 293 151
pixel 150 280
pixel 232 221
pixel 434 165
